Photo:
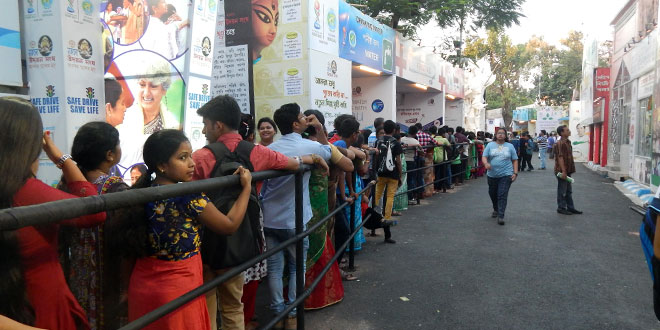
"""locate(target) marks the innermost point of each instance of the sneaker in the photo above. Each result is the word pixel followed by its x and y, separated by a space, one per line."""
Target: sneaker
pixel 500 221
pixel 494 214
pixel 390 241
pixel 564 211
pixel 574 211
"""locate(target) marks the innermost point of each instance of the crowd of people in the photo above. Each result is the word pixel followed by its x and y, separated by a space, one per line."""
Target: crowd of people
pixel 103 270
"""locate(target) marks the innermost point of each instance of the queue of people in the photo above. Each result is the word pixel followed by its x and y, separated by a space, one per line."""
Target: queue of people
pixel 104 270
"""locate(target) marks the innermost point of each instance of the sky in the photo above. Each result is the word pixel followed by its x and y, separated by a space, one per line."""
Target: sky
pixel 553 19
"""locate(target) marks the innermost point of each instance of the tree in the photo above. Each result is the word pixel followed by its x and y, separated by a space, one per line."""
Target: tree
pixel 509 63
pixel 559 69
pixel 407 17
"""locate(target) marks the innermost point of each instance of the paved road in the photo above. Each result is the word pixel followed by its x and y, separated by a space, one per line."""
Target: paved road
pixel 542 270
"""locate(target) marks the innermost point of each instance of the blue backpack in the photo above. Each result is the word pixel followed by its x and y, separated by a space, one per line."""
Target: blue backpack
pixel 646 235
pixel 531 146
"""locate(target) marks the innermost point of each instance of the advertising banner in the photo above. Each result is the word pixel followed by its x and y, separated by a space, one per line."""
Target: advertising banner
pixel 197 94
pixel 452 79
pixel 64 67
pixel 10 45
pixel 548 118
pixel 146 51
pixel 416 64
pixel 579 127
pixel 373 97
pixel 364 40
pixel 424 108
pixel 330 93
pixel 601 91
pixel 323 26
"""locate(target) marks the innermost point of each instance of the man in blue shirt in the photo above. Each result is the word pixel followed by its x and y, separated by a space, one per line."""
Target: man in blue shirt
pixel 279 194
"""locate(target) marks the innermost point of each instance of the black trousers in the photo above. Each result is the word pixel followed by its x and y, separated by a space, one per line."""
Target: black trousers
pixel 525 161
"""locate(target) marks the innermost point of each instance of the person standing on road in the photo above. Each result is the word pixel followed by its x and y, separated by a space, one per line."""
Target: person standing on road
pixel 501 161
pixel 551 143
pixel 564 164
pixel 542 140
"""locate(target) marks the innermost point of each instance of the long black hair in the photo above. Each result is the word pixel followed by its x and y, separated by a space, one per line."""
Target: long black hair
pixel 91 144
pixel 21 132
pixel 157 150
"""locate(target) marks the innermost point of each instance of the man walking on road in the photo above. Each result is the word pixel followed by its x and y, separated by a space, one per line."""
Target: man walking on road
pixel 543 145
pixel 564 166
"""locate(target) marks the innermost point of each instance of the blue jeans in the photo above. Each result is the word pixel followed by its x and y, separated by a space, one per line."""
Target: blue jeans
pixel 542 156
pixel 448 166
pixel 275 237
pixel 412 179
pixel 564 195
pixel 498 189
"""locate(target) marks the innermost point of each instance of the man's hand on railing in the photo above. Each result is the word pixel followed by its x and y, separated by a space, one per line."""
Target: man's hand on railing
pixel 320 163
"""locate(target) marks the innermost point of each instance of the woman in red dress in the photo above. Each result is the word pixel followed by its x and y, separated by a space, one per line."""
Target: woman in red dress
pixel 173 265
pixel 33 288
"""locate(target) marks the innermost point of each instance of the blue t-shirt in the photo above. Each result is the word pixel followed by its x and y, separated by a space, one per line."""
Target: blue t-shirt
pixel 500 157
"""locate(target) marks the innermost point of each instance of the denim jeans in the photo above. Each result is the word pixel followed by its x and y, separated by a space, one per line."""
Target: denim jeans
pixel 276 262
pixel 542 156
pixel 564 195
pixel 449 181
pixel 498 189
pixel 412 179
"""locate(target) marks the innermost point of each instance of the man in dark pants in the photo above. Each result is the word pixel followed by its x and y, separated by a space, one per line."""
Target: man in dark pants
pixel 565 166
pixel 525 152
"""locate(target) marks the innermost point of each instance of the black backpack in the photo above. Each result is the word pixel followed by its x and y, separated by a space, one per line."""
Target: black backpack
pixel 384 145
pixel 224 251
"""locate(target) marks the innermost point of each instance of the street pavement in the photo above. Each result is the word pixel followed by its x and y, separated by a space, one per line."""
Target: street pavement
pixel 454 267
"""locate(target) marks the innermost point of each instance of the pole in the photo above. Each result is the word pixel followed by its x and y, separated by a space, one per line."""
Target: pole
pixel 300 261
pixel 351 245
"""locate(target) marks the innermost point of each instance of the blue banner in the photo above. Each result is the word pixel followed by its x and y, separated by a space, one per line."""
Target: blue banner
pixel 364 40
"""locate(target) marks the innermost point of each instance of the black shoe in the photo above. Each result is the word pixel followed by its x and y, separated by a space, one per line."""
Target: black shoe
pixel 574 211
pixel 529 170
pixel 494 214
pixel 500 221
pixel 389 240
pixel 564 211
pixel 387 223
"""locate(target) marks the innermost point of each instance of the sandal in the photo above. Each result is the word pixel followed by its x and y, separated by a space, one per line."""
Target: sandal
pixel 348 276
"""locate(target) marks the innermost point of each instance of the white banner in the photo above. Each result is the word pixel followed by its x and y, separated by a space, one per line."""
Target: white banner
pixel 323 26
pixel 330 90
pixel 10 45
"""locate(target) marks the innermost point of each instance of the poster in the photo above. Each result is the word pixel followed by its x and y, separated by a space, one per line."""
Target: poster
pixel 231 75
pixel 364 40
pixel 373 97
pixel 548 118
pixel 416 64
pixel 424 108
pixel 10 45
pixel 197 94
pixel 202 37
pixel 64 69
pixel 324 26
pixel 330 90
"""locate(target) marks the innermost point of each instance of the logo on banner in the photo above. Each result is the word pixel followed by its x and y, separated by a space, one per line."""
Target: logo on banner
pixel 48 104
pixel 377 105
pixel 332 20
pixel 212 6
pixel 45 45
pixel 30 8
pixel 90 92
pixel 387 55
pixel 50 90
pixel 332 69
pixel 85 48
pixel 46 3
pixel 352 38
pixel 69 7
pixel 206 46
pixel 87 7
pixel 317 13
pixel 205 89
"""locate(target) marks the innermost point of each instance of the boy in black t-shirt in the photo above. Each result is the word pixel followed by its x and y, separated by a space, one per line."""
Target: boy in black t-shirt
pixel 389 171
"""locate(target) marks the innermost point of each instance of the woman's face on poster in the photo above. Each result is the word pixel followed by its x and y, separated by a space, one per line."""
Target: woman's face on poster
pixel 150 95
pixel 265 18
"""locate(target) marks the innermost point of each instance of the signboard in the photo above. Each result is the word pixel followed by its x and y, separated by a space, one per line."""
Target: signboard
pixel 330 92
pixel 601 90
pixel 10 44
pixel 364 40
pixel 548 118
pixel 323 26
pixel 424 108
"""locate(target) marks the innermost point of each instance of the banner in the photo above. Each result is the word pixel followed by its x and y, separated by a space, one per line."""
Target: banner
pixel 324 26
pixel 64 69
pixel 330 92
pixel 365 40
pixel 10 44
pixel 601 91
pixel 548 118
pixel 424 108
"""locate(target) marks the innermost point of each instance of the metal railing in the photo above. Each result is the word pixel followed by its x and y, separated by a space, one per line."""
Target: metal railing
pixel 18 217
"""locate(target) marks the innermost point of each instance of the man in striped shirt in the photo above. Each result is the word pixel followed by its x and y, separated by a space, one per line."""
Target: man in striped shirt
pixel 542 140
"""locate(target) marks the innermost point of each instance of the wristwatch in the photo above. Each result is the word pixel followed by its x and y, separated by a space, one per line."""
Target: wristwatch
pixel 61 161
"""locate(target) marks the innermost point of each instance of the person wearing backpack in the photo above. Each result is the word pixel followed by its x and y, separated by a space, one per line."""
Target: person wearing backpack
pixel 389 172
pixel 221 117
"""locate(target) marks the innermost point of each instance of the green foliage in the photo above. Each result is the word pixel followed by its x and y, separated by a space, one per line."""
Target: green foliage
pixel 509 63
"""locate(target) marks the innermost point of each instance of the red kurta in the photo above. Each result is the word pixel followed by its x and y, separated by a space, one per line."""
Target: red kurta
pixel 53 303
